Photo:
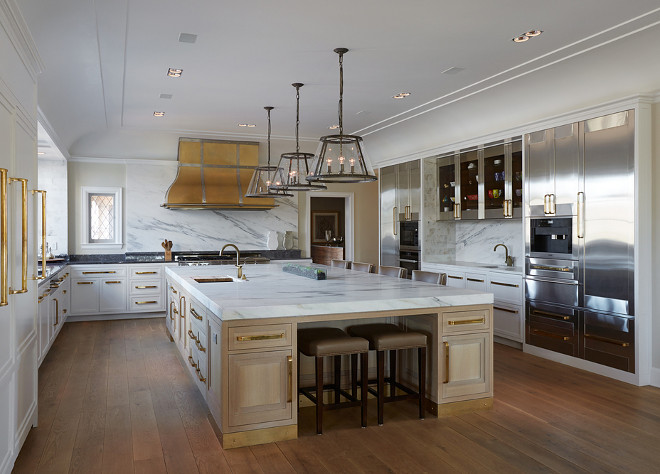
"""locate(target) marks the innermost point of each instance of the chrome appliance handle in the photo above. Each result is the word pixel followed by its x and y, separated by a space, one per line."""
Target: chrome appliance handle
pixel 580 215
pixel 394 209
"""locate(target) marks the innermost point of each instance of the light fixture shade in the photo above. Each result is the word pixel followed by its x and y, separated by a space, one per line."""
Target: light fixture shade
pixel 295 166
pixel 262 180
pixel 341 159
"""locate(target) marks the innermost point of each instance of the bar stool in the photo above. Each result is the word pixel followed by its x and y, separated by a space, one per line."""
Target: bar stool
pixel 429 277
pixel 363 267
pixel 333 342
pixel 388 337
pixel 396 272
pixel 341 264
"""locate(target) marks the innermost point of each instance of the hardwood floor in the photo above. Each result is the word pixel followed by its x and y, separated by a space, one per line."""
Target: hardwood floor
pixel 114 398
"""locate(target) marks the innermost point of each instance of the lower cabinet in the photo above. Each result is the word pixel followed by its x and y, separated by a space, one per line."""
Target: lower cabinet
pixel 112 297
pixel 467 362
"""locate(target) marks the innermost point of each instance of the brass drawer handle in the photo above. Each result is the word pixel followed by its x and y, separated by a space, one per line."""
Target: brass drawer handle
pixel 173 290
pixel 261 337
pixel 608 340
pixel 64 311
pixel 548 267
pixel 145 273
pixel 505 310
pixel 195 315
pixel 94 273
pixel 64 292
pixel 144 287
pixel 112 282
pixel 192 362
pixel 510 285
pixel 85 282
pixel 200 376
pixel 289 365
pixel 192 335
pixel 146 302
pixel 446 363
pixel 456 322
pixel 200 346
pixel 550 315
pixel 549 334
pixel 474 279
pixel 454 277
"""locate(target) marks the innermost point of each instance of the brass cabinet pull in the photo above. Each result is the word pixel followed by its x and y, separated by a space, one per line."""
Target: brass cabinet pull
pixel 191 335
pixel 505 310
pixel 200 376
pixel 608 340
pixel 510 285
pixel 195 315
pixel 145 273
pixel 200 346
pixel 549 334
pixel 64 311
pixel 407 213
pixel 475 279
pixel 182 306
pixel 84 283
pixel 173 290
pixel 4 254
pixel 57 312
pixel 24 236
pixel 192 362
pixel 261 337
pixel 446 362
pixel 43 234
pixel 289 365
pixel 580 215
pixel 457 211
pixel 551 268
pixel 146 302
pixel 394 219
pixel 112 282
pixel 176 311
pixel 64 292
pixel 95 273
pixel 171 312
pixel 458 322
pixel 454 277
pixel 553 204
pixel 550 315
pixel 144 287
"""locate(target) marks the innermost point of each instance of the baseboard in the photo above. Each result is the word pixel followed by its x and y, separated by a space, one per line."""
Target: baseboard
pixel 507 342
pixel 113 317
pixel 655 377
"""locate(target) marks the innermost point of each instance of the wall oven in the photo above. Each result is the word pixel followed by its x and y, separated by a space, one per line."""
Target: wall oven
pixel 409 246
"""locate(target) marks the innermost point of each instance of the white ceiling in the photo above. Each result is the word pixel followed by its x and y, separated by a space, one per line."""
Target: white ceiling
pixel 106 62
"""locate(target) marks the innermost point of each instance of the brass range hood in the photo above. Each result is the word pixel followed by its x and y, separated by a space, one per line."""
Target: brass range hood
pixel 214 174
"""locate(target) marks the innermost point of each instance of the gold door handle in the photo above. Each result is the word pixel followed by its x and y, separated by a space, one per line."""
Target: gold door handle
pixel 505 310
pixel 408 212
pixel 176 311
pixel 475 280
pixel 549 315
pixel 43 234
pixel 24 236
pixel 545 204
pixel 446 362
pixel 146 302
pixel 549 267
pixel 195 315
pixel 454 277
pixel 200 346
pixel 608 340
pixel 173 290
pixel 553 204
pixel 458 322
pixel 182 305
pixel 145 273
pixel 192 362
pixel 580 215
pixel 457 211
pixel 84 283
pixel 510 285
pixel 549 334
pixel 4 254
pixel 96 273
pixel 191 335
pixel 171 312
pixel 261 337
pixel 200 376
pixel 144 287
pixel 57 312
pixel 394 209
pixel 289 365
pixel 112 282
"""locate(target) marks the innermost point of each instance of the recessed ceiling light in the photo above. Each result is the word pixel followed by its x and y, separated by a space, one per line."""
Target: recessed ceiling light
pixel 526 36
pixel 520 39
pixel 401 95
pixel 248 125
pixel 187 38
pixel 159 114
pixel 333 127
pixel 533 33
pixel 166 96
pixel 173 72
pixel 41 153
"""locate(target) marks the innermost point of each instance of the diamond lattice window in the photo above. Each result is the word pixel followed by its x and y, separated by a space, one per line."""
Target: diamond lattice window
pixel 101 217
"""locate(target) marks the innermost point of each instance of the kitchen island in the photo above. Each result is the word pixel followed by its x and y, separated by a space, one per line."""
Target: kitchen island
pixel 238 338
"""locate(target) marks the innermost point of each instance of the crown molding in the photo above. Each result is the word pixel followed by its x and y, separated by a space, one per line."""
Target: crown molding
pixel 122 161
pixel 14 25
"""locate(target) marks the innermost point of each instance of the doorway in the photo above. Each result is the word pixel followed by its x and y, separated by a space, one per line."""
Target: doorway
pixel 329 223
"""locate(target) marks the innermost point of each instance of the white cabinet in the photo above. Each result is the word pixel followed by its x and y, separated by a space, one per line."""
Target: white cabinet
pixel 112 297
pixel 43 321
pixel 53 309
pixel 85 296
pixel 146 293
pixel 475 281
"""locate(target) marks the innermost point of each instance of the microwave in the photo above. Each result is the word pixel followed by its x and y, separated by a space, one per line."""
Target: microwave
pixel 409 235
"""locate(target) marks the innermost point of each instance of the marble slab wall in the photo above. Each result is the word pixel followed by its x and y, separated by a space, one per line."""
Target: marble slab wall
pixel 148 224
pixel 52 177
pixel 438 237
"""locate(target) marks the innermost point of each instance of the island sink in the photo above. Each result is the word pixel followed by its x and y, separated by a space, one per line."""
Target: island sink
pixel 215 279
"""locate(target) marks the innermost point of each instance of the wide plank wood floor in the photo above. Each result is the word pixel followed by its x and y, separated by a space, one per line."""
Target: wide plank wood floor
pixel 114 398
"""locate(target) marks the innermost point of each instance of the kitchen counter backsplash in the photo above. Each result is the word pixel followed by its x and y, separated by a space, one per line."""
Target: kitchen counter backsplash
pixel 156 257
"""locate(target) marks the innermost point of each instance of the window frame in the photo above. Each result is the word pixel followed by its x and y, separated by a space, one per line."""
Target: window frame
pixel 116 192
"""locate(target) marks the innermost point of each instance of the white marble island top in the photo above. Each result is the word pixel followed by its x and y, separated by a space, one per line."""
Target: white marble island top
pixel 271 293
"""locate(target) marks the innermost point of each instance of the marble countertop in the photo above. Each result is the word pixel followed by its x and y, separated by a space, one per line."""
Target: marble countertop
pixel 271 293
pixel 478 266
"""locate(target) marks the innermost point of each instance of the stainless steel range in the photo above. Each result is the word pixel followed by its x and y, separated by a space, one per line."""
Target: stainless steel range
pixel 579 229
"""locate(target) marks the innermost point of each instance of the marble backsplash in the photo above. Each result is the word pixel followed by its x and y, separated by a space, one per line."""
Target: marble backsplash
pixel 148 224
pixel 52 178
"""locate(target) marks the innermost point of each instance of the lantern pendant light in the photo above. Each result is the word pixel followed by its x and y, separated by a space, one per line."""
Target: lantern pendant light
pixel 341 158
pixel 295 165
pixel 265 176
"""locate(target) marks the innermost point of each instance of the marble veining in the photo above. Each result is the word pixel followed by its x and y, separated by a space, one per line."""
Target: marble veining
pixel 271 293
pixel 148 224
pixel 475 241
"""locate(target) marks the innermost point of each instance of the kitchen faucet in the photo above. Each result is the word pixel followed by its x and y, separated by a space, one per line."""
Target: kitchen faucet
pixel 507 258
pixel 238 259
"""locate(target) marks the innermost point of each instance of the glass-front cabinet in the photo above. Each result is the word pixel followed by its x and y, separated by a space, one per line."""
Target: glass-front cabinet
pixel 483 182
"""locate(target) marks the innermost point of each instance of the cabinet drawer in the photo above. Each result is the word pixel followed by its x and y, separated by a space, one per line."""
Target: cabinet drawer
pixel 455 279
pixel 97 271
pixel 475 281
pixel 506 288
pixel 146 303
pixel 195 312
pixel 508 321
pixel 256 337
pixel 140 271
pixel 459 321
pixel 144 287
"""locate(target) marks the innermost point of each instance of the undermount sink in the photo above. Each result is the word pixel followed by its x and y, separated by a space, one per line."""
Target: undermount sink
pixel 215 279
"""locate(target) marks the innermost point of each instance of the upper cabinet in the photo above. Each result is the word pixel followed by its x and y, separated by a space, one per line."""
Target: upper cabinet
pixel 408 197
pixel 481 182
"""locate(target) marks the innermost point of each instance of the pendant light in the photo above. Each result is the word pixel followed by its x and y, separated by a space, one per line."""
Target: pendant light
pixel 265 176
pixel 341 158
pixel 295 165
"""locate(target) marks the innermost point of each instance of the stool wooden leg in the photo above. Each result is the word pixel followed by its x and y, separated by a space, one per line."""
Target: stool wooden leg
pixel 392 373
pixel 354 370
pixel 421 365
pixel 319 395
pixel 337 365
pixel 380 362
pixel 364 359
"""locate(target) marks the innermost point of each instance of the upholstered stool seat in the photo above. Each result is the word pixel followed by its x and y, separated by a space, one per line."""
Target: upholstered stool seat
pixel 333 342
pixel 388 337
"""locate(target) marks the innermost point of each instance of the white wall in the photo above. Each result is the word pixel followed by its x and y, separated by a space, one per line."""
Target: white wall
pixel 655 359
pixel 53 179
